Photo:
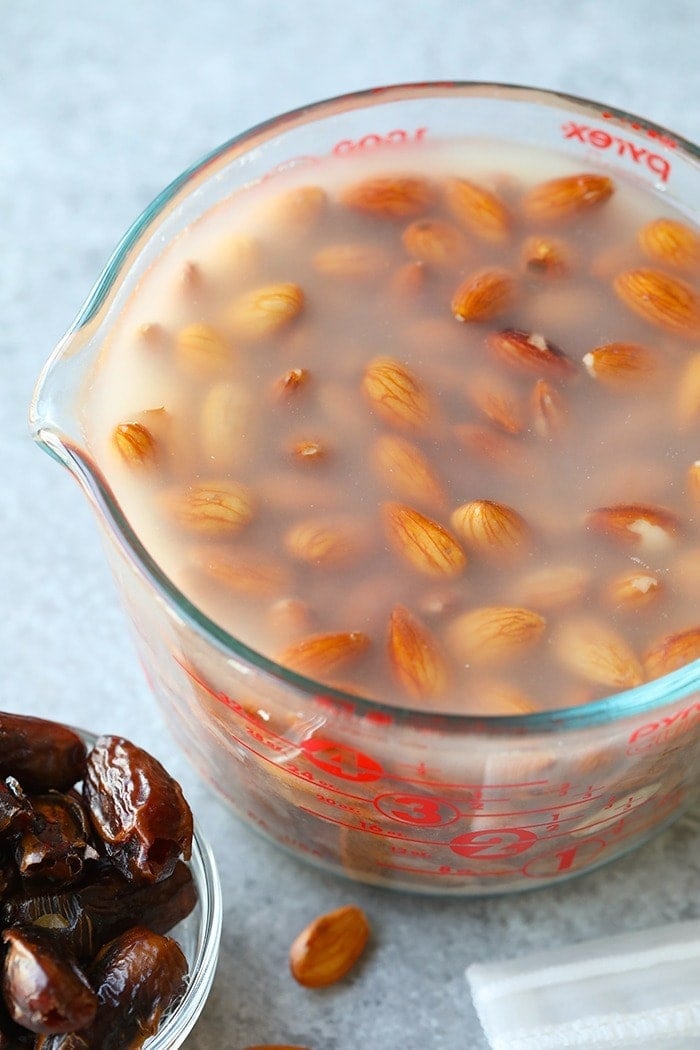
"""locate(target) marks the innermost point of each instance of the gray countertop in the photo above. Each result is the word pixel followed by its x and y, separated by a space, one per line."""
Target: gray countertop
pixel 102 104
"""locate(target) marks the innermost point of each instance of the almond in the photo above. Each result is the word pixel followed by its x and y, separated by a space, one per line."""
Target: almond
pixel 673 652
pixel 688 392
pixel 552 587
pixel 298 210
pixel 664 301
pixel 406 471
pixel 261 313
pixel 289 618
pixel 621 366
pixel 493 633
pixel 213 508
pixel 421 542
pixel 439 244
pixel 530 352
pixel 324 543
pixel 310 450
pixel 135 444
pixel 496 400
pixel 546 257
pixel 225 422
pixel 234 258
pixel 565 198
pixel 671 243
pixel 598 654
pixel 550 414
pixel 390 197
pixel 633 590
pixel 636 525
pixel 396 394
pixel 246 572
pixel 351 261
pixel 493 529
pixel 329 947
pixel 290 383
pixel 203 347
pixel 497 697
pixel 321 655
pixel 415 657
pixel 480 211
pixel 408 281
pixel 483 295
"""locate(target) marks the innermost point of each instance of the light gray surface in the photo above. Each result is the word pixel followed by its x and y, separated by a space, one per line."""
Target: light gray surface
pixel 101 104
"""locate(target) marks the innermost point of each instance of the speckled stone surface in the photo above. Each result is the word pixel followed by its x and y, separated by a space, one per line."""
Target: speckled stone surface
pixel 101 104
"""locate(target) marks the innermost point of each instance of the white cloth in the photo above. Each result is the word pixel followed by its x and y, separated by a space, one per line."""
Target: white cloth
pixel 637 990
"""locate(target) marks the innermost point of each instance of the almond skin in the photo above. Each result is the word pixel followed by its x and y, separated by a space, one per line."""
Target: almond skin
pixel 396 394
pixel 406 471
pixel 480 211
pixel 321 655
pixel 390 197
pixel 494 633
pixel 564 198
pixel 621 366
pixel 493 529
pixel 324 543
pixel 135 444
pixel 531 352
pixel 598 654
pixel 439 244
pixel 664 301
pixel 416 660
pixel 422 542
pixel 672 652
pixel 261 313
pixel 329 947
pixel 670 243
pixel 483 295
pixel 212 508
pixel 635 525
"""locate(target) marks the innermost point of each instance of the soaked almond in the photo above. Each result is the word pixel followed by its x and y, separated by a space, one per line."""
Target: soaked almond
pixel 135 444
pixel 672 652
pixel 226 423
pixel 543 256
pixel 633 590
pixel 664 301
pixel 636 525
pixel 530 352
pixel 422 542
pixel 322 655
pixel 202 347
pixel 497 401
pixel 597 653
pixel 212 508
pixel 328 544
pixel 493 529
pixel 557 200
pixel 479 210
pixel 396 394
pixel 492 633
pixel 671 243
pixel 552 587
pixel 250 572
pixel 437 243
pixel 622 366
pixel 266 310
pixel 484 295
pixel 392 197
pixel 406 471
pixel 416 659
pixel 550 413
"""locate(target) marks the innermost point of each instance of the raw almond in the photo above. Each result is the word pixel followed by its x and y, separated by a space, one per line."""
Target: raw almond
pixel 546 257
pixel 437 243
pixel 478 209
pixel 299 209
pixel 233 259
pixel 321 655
pixel 484 295
pixel 497 697
pixel 416 660
pixel 550 414
pixel 351 261
pixel 564 198
pixel 135 444
pixel 688 392
pixel 621 366
pixel 324 543
pixel 203 347
pixel 531 352
pixel 672 243
pixel 421 542
pixel 248 572
pixel 224 424
pixel 633 590
pixel 407 471
pixel 635 525
pixel 552 587
pixel 329 947
pixel 310 450
pixel 493 633
pixel 212 508
pixel 390 197
pixel 494 529
pixel 497 401
pixel 396 394
pixel 672 652
pixel 664 301
pixel 598 654
pixel 260 313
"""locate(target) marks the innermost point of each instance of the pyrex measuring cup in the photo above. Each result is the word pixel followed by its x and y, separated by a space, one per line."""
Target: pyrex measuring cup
pixel 436 803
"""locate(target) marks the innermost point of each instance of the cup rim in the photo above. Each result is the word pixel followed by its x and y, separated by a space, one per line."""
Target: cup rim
pixel 636 701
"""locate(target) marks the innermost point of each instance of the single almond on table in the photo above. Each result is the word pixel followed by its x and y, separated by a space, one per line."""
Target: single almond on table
pixel 550 413
pixel 666 302
pixel 478 209
pixel 407 471
pixel 484 295
pixel 329 947
pixel 494 632
pixel 437 243
pixel 546 257
pixel 213 508
pixel 633 590
pixel 396 394
pixel 636 525
pixel 203 347
pixel 597 653
pixel 621 366
pixel 670 242
pixel 321 655
pixel 416 659
pixel 531 352
pixel 565 198
pixel 423 543
pixel 351 261
pixel 672 652
pixel 135 444
pixel 493 529
pixel 264 311
pixel 390 196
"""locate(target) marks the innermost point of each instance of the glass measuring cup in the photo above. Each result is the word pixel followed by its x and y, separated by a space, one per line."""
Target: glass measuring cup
pixel 445 803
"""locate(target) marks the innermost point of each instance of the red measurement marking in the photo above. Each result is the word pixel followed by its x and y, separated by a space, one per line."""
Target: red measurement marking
pixel 603 140
pixel 341 760
pixel 493 844
pixel 572 858
pixel 416 809
pixel 652 734
pixel 397 137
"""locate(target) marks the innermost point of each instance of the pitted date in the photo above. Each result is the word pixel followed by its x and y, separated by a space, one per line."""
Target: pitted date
pixel 137 809
pixel 41 754
pixel 56 845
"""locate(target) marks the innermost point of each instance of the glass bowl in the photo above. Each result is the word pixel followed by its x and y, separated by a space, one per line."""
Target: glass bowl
pixel 387 795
